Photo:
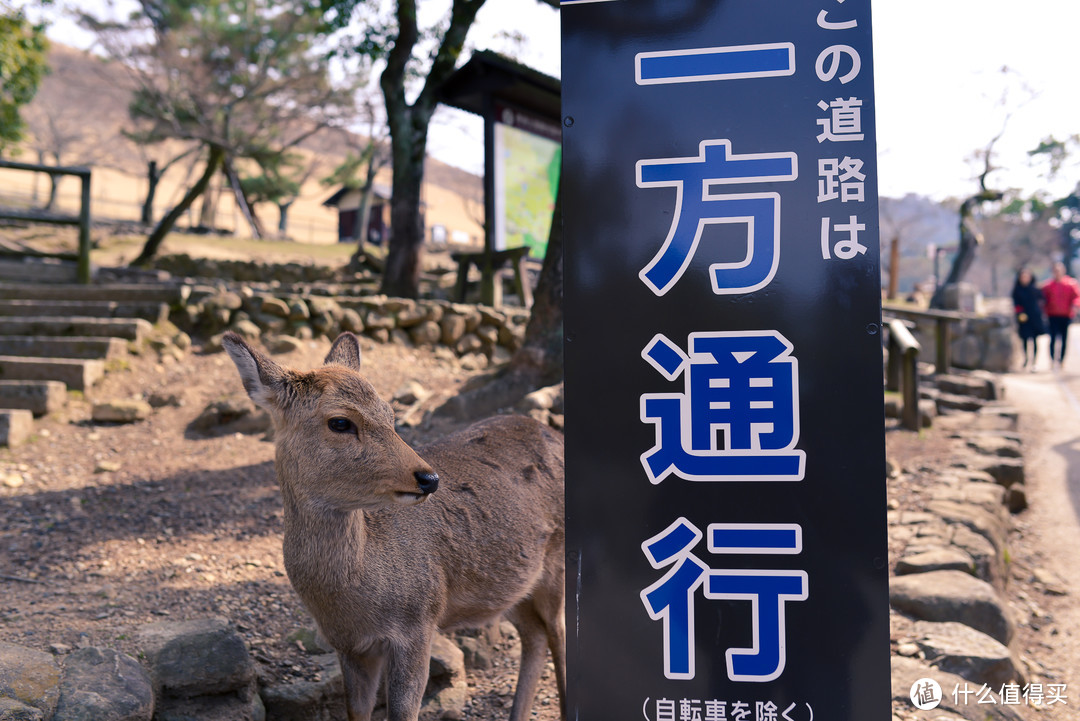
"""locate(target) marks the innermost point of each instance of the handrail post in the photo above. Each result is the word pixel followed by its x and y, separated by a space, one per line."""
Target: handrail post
pixel 82 270
pixel 943 341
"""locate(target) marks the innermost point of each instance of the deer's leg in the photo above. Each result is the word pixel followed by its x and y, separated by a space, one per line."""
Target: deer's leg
pixel 530 626
pixel 549 602
pixel 407 673
pixel 361 674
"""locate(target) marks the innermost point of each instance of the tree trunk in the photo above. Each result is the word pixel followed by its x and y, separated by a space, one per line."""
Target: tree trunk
pixel 152 178
pixel 894 267
pixel 364 214
pixel 213 163
pixel 401 277
pixel 968 246
pixel 283 219
pixel 539 361
pixel 247 209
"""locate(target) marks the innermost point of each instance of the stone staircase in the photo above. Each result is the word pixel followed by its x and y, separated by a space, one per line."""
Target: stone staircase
pixel 58 337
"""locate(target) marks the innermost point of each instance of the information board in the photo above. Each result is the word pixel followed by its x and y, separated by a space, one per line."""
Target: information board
pixel 726 529
pixel 527 161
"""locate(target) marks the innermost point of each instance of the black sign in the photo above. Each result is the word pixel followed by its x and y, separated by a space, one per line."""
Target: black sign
pixel 725 435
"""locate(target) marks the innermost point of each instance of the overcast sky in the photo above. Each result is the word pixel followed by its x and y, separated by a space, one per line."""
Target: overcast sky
pixel 939 82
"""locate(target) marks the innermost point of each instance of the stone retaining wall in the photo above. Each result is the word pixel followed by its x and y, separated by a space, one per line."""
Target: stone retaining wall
pixel 479 333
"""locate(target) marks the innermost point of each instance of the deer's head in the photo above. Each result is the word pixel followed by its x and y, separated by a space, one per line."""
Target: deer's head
pixel 336 444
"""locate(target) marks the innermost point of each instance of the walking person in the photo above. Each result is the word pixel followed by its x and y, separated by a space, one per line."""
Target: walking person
pixel 1028 304
pixel 1060 295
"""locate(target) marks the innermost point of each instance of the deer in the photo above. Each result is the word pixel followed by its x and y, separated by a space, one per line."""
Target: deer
pixel 387 545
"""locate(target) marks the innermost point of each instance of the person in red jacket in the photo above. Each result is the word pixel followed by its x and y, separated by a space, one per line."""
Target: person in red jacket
pixel 1061 294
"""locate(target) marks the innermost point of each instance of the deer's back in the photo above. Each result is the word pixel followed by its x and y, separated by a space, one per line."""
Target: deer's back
pixel 495 526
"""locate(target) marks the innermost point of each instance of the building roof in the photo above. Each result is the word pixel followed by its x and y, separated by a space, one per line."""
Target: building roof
pixel 380 192
pixel 488 73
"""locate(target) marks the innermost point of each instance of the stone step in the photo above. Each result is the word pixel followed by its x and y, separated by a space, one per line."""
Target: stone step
pixel 126 328
pixel 149 310
pixel 37 271
pixel 119 292
pixel 76 373
pixel 15 427
pixel 38 397
pixel 62 346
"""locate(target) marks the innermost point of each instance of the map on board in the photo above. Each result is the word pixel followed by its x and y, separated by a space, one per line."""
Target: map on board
pixel 526 182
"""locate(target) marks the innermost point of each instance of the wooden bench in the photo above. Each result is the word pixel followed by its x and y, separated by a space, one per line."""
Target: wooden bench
pixel 489 264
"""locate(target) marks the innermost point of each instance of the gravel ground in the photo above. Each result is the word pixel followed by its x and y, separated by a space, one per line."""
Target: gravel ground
pixel 108 527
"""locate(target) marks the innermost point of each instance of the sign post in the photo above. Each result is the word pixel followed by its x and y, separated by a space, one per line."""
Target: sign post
pixel 726 530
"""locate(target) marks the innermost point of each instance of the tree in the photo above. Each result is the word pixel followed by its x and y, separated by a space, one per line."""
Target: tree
pixel 399 40
pixel 279 181
pixel 970 238
pixel 22 66
pixel 244 79
pixel 369 154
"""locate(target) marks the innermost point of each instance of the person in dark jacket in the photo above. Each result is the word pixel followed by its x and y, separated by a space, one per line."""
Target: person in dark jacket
pixel 1028 305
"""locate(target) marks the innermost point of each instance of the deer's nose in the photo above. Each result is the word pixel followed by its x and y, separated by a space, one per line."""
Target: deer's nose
pixel 427 481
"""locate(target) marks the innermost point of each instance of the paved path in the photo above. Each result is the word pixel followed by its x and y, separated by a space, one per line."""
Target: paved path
pixel 1049 403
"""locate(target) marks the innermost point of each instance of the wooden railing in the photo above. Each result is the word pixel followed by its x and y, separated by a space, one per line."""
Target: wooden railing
pixel 82 258
pixel 943 321
pixel 902 372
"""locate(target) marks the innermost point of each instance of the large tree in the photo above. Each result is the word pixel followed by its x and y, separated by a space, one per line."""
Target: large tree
pixel 22 65
pixel 424 56
pixel 245 79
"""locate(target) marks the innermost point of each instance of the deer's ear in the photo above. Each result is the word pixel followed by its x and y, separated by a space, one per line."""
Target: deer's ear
pixel 262 377
pixel 345 352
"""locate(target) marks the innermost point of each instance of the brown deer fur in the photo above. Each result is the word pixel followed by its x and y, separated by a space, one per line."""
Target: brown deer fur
pixel 380 560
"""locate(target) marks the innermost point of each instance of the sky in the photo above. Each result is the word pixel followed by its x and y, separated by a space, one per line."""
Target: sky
pixel 950 75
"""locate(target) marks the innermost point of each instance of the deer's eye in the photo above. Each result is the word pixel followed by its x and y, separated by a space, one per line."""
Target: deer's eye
pixel 341 425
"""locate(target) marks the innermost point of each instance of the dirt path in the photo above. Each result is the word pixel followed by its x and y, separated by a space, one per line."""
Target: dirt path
pixel 1049 404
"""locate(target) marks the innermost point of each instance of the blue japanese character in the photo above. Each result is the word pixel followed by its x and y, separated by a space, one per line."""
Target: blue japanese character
pixel 698 203
pixel 672 597
pixel 738 418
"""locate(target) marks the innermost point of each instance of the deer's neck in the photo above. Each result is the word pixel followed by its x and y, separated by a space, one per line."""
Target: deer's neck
pixel 322 548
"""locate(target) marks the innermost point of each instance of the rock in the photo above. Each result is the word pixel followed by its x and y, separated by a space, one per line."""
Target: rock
pixel 988 525
pixel 991 445
pixel 16 425
pixel 306 700
pixel 453 328
pixel 474 362
pixel 1050 582
pixel 13 480
pixel 989 564
pixel 401 337
pixel 942 559
pixel 892 469
pixel 107 467
pixel 121 411
pixel 907 671
pixel 960 649
pixel 282 343
pixel 376 320
pixel 310 640
pixel 247 330
pixel 953 596
pixel 275 307
pixel 196 658
pixel 380 335
pixel 946 402
pixel 410 317
pixel 469 343
pixel 323 306
pixel 1016 498
pixel 1006 471
pixel 29 677
pixel 410 393
pixel 161 400
pixel 12 710
pixel 976 386
pixel 447 660
pixel 427 333
pixel 298 310
pixel 103 685
pixel 351 321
